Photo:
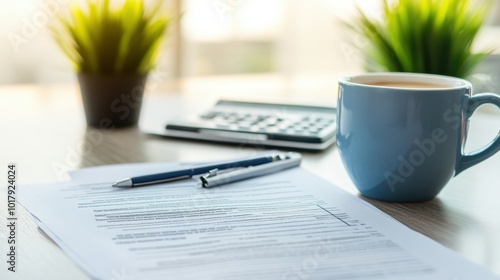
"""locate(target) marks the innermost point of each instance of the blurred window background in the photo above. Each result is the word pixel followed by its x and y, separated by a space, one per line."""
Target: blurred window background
pixel 288 38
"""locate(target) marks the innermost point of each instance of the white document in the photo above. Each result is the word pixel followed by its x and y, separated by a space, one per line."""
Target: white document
pixel 289 225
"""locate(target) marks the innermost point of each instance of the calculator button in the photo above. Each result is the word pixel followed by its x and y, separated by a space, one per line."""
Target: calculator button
pixel 282 127
pixel 262 125
pixel 222 125
pixel 251 119
pixel 244 125
pixel 209 115
pixel 233 126
pixel 230 118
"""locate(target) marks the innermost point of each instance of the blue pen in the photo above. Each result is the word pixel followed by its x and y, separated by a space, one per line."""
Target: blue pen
pixel 190 172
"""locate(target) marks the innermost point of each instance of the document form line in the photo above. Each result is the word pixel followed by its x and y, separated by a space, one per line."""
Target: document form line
pixel 333 215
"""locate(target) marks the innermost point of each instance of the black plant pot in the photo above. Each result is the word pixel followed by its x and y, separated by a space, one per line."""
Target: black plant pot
pixel 112 101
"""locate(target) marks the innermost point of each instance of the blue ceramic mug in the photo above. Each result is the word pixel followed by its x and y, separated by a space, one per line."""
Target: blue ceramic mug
pixel 401 136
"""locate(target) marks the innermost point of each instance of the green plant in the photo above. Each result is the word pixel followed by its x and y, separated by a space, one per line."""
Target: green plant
pixel 427 36
pixel 102 39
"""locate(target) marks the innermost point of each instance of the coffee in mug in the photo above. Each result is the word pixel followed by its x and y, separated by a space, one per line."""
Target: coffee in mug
pixel 407 85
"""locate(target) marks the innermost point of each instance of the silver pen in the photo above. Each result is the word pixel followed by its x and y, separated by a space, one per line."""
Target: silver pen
pixel 216 178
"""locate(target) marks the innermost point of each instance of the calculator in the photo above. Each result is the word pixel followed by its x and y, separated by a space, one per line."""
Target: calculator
pixel 260 124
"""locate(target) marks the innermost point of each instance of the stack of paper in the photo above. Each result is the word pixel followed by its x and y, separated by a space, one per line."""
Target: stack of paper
pixel 289 225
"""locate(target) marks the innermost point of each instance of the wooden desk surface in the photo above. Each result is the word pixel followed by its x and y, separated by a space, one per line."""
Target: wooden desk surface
pixel 44 132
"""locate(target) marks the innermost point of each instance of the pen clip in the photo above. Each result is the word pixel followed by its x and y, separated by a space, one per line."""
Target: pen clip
pixel 210 174
pixel 214 172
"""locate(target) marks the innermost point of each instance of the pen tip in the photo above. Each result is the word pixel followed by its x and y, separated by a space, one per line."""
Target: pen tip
pixel 126 183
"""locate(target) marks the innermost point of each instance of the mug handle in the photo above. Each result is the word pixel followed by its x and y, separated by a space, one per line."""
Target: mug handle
pixel 476 157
